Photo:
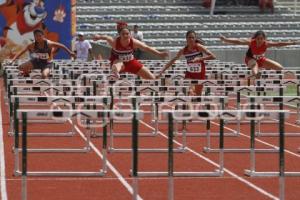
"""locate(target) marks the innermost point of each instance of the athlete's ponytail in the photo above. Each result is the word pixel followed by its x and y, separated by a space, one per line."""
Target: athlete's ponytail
pixel 200 41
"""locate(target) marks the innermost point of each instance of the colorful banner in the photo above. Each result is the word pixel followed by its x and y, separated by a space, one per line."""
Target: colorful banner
pixel 18 19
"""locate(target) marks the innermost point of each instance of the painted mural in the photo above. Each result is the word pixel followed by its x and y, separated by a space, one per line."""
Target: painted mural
pixel 18 19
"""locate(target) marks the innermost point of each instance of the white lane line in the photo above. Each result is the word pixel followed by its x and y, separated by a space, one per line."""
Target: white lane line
pixel 2 159
pixel 111 167
pixel 264 192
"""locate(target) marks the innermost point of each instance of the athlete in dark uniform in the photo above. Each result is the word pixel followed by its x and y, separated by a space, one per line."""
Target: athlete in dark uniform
pixel 41 54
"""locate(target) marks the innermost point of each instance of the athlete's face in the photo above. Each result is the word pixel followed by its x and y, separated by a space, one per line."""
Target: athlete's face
pixel 260 39
pixel 38 37
pixel 125 34
pixel 191 39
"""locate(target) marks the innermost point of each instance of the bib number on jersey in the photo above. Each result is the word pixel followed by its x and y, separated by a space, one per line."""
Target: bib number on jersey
pixel 42 56
pixel 126 58
pixel 194 68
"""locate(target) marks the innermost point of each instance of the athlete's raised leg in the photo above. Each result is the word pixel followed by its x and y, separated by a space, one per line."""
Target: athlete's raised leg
pixel 145 73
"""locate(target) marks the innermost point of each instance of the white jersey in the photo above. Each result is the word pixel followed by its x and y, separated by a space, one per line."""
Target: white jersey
pixel 82 49
pixel 138 36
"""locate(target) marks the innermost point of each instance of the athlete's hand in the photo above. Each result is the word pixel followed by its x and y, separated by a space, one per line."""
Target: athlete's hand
pixel 10 62
pixel 197 60
pixel 222 38
pixel 158 76
pixel 73 55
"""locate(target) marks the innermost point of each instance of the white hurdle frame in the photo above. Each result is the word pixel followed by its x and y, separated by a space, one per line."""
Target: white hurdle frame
pixel 89 115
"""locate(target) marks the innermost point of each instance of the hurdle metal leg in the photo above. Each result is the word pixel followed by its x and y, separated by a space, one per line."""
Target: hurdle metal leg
pixel 134 144
pixel 253 173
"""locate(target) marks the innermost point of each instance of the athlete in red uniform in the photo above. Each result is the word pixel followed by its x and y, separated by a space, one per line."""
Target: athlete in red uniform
pixel 122 59
pixel 193 53
pixel 255 56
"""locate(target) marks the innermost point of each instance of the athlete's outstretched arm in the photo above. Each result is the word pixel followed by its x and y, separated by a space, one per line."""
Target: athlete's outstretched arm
pixel 107 38
pixel 62 46
pixel 210 55
pixel 171 62
pixel 143 46
pixel 281 44
pixel 234 40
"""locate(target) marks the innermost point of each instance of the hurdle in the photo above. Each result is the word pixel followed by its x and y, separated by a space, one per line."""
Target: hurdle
pixel 136 102
pixel 280 101
pixel 180 115
pixel 118 92
pixel 238 90
pixel 281 173
pixel 160 101
pixel 252 171
pixel 189 102
pixel 82 102
pixel 86 115
pixel 174 115
pixel 54 90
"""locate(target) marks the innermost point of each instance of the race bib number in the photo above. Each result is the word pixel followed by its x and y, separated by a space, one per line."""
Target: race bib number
pixel 126 58
pixel 196 68
pixel 257 57
pixel 42 56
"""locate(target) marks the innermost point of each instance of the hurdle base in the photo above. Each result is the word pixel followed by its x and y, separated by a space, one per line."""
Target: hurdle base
pixel 247 122
pixel 101 173
pixel 145 134
pixel 46 121
pixel 192 122
pixel 259 134
pixel 95 135
pixel 67 134
pixel 144 150
pixel 237 150
pixel 216 173
pixel 233 134
pixel 252 173
pixel 58 150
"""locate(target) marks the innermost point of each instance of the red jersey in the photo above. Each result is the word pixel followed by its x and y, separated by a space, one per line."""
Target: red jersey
pixel 256 52
pixel 194 67
pixel 122 53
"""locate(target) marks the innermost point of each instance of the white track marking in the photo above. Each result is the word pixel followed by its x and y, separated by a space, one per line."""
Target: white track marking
pixel 2 159
pixel 264 192
pixel 110 166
